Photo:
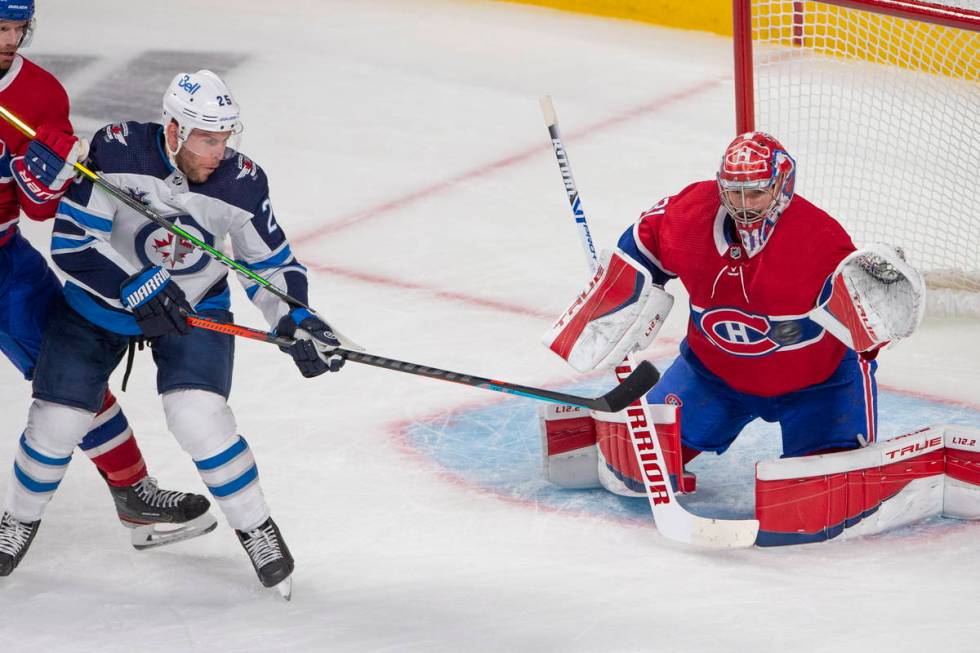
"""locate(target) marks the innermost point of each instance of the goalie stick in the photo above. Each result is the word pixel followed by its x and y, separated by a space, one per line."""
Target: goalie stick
pixel 672 519
pixel 636 384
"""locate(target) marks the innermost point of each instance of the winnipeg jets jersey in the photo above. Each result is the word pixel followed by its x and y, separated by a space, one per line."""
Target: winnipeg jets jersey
pixel 748 321
pixel 36 97
pixel 98 241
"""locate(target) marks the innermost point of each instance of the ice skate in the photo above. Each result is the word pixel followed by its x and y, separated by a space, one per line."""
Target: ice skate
pixel 269 555
pixel 15 538
pixel 160 517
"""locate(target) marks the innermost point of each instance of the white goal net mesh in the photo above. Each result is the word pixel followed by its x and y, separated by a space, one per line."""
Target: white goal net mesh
pixel 883 116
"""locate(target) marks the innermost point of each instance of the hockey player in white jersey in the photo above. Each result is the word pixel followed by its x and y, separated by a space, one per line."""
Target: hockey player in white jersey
pixel 128 279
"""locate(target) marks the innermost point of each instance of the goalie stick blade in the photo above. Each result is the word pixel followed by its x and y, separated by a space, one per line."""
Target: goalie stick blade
pixel 640 381
pixel 675 523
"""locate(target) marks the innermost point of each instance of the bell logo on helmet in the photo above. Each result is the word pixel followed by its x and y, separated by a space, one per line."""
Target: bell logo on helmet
pixel 185 83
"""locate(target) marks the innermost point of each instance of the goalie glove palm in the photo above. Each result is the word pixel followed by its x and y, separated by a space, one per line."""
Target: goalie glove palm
pixel 620 312
pixel 314 349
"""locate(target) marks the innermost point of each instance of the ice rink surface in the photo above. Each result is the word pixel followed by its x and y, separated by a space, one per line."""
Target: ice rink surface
pixel 410 166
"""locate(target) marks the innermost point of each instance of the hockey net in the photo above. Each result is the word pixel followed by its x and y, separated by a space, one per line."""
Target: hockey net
pixel 879 101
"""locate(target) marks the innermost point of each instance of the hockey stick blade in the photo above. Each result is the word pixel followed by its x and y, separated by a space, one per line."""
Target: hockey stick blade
pixel 634 386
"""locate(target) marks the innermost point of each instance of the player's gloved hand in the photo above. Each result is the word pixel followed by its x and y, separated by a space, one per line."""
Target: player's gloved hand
pixel 158 304
pixel 315 349
pixel 47 167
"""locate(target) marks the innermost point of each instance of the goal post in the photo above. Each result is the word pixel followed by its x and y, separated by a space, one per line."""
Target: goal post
pixel 879 101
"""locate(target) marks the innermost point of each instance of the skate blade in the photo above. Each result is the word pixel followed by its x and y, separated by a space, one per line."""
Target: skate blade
pixel 154 535
pixel 285 588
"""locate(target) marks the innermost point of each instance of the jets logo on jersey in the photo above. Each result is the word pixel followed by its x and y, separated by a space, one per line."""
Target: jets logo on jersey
pixel 246 167
pixel 157 246
pixel 117 132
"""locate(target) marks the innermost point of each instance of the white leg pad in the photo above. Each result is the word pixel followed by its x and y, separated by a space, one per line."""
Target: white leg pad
pixel 42 458
pixel 205 427
pixel 569 459
pixel 961 499
pixel 886 485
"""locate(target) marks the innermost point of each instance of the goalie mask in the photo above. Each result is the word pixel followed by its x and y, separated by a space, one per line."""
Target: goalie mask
pixel 756 180
pixel 19 11
pixel 201 101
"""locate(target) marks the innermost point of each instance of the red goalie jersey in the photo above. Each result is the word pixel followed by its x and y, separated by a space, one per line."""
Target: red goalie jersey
pixel 748 321
pixel 36 97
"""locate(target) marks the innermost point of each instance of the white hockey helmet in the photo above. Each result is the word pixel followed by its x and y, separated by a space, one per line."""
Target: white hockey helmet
pixel 202 101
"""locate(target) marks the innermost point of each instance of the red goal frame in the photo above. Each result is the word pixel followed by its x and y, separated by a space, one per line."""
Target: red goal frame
pixel 742 23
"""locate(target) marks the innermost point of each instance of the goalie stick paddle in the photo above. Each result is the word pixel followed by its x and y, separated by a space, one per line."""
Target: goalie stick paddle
pixel 635 385
pixel 672 519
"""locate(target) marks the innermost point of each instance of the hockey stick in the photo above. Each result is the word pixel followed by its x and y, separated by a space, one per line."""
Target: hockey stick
pixel 634 385
pixel 124 197
pixel 672 519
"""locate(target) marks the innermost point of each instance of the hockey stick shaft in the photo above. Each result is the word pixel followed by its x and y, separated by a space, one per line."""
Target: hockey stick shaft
pixel 578 213
pixel 634 385
pixel 124 197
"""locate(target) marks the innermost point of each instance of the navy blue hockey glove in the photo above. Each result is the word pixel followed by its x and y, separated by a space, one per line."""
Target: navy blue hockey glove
pixel 314 351
pixel 158 304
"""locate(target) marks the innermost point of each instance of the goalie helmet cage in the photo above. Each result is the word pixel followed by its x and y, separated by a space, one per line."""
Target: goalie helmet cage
pixel 879 101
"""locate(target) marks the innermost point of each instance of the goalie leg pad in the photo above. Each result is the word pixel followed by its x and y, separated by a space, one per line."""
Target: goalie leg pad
pixel 568 440
pixel 934 471
pixel 618 469
pixel 961 499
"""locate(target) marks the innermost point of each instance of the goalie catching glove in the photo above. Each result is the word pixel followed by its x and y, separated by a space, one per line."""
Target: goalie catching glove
pixel 872 298
pixel 621 311
pixel 314 349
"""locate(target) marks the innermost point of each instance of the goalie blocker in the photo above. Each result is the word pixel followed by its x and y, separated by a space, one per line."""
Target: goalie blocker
pixel 886 485
pixel 620 312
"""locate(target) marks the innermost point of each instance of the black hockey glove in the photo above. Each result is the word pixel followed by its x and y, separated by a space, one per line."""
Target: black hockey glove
pixel 158 304
pixel 314 351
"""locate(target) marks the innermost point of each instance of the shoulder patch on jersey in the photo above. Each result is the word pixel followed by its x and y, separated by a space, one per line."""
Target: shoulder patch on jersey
pixel 246 168
pixel 117 131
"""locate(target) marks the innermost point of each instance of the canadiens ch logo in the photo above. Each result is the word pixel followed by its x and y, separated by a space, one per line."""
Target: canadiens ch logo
pixel 157 246
pixel 737 332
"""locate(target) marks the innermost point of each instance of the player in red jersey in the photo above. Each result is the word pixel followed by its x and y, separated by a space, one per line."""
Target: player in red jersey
pixel 34 174
pixel 786 315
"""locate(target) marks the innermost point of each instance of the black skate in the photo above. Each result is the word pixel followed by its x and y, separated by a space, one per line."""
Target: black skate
pixel 270 556
pixel 159 517
pixel 15 538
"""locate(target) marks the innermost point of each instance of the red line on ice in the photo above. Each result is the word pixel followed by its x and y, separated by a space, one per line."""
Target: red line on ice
pixel 449 295
pixel 396 203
